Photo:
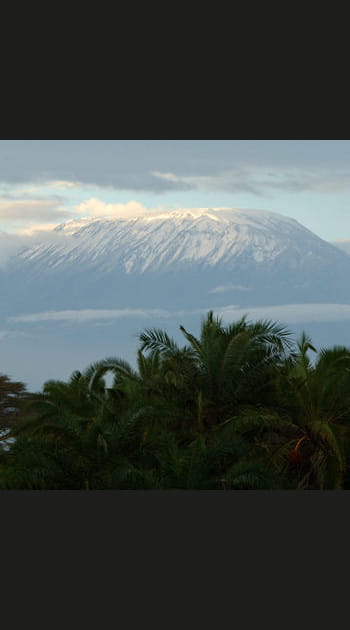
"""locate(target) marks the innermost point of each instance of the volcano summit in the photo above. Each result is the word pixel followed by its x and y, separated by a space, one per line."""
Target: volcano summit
pixel 172 265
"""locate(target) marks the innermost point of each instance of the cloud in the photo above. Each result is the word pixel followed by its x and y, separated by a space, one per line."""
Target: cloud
pixel 87 315
pixel 41 231
pixel 30 222
pixel 169 165
pixel 13 334
pixel 96 208
pixel 119 164
pixel 27 222
pixel 260 181
pixel 290 313
pixel 23 190
pixel 62 184
pixel 28 216
pixel 167 176
pixel 229 287
pixel 32 211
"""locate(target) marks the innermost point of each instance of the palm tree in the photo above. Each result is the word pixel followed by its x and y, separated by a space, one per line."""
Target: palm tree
pixel 316 397
pixel 74 419
pixel 88 435
pixel 221 385
pixel 238 407
pixel 222 370
pixel 12 396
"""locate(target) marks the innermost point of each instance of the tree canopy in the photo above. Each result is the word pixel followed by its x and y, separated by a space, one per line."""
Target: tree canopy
pixel 241 406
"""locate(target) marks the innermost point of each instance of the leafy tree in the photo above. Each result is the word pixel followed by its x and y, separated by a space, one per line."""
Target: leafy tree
pixel 240 407
pixel 12 395
pixel 317 398
pixel 225 368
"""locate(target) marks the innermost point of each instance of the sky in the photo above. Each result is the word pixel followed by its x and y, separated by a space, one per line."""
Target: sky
pixel 46 182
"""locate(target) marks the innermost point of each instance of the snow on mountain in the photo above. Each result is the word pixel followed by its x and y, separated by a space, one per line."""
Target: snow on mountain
pixel 189 258
pixel 201 238
pixel 91 285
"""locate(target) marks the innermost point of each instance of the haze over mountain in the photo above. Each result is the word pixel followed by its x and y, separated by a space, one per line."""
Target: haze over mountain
pixel 344 245
pixel 94 283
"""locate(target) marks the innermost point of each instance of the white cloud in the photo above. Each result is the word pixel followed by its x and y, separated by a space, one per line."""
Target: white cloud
pixel 167 176
pixel 62 184
pixel 86 315
pixel 96 208
pixel 28 222
pixel 26 212
pixel 290 313
pixel 23 190
pixel 223 288
pixel 36 229
pixel 13 334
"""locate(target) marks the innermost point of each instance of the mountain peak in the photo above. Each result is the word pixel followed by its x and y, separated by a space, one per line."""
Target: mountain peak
pixel 219 214
pixel 185 238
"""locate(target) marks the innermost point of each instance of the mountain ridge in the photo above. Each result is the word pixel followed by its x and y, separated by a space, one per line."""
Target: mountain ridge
pixel 185 263
pixel 178 239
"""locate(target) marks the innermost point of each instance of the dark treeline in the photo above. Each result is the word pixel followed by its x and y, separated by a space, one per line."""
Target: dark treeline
pixel 244 406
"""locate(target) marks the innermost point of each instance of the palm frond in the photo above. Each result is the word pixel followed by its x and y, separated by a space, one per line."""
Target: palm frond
pixel 155 339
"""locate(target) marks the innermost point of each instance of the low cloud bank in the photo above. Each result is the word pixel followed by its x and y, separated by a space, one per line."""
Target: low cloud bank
pixel 224 288
pixel 96 208
pixel 87 315
pixel 288 313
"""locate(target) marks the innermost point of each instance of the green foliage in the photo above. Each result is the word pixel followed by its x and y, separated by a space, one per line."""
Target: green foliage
pixel 241 407
pixel 12 395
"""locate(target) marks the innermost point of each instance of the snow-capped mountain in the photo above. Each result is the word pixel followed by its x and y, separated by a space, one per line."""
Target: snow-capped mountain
pixel 184 258
pixel 187 239
pixel 87 289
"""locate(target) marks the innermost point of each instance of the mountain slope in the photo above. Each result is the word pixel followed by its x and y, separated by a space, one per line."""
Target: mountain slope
pixel 180 264
pixel 199 238
pixel 191 258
